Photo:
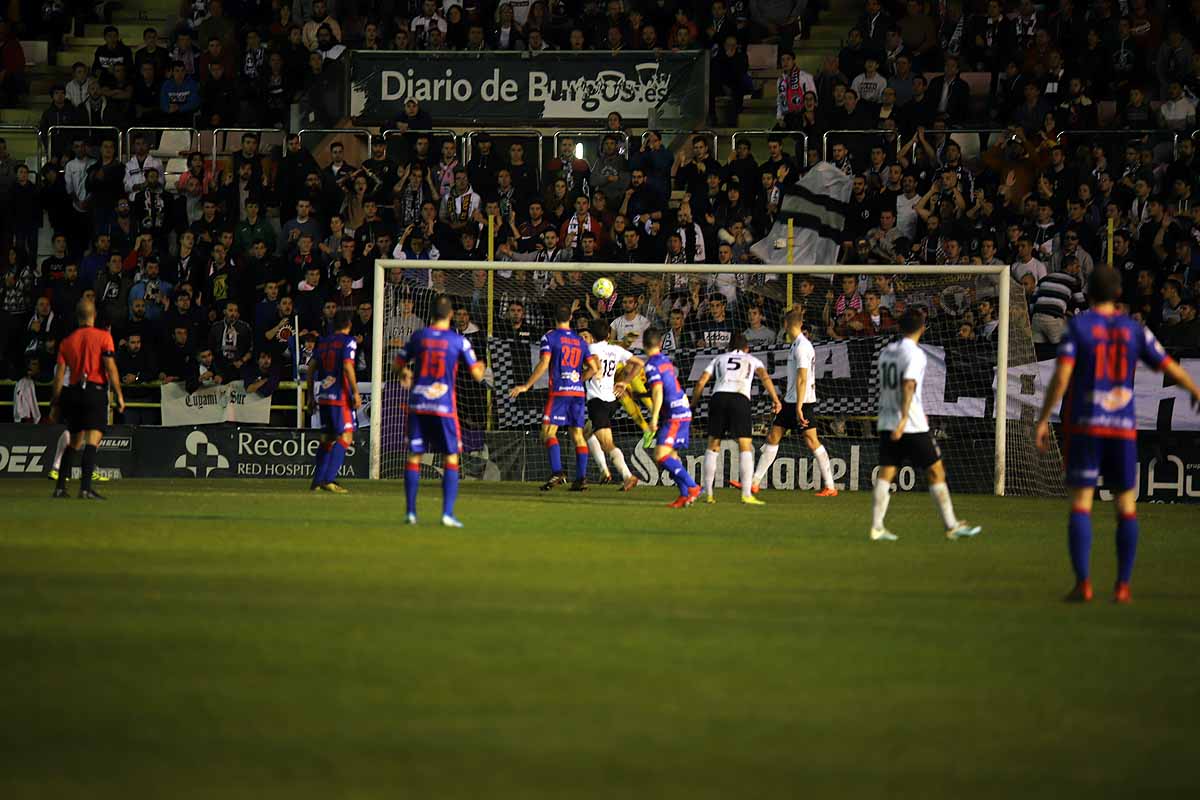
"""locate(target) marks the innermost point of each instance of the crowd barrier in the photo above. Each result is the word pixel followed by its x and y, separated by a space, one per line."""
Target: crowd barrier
pixel 1168 467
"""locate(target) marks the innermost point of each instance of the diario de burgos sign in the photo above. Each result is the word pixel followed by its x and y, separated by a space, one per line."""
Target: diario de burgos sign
pixel 527 88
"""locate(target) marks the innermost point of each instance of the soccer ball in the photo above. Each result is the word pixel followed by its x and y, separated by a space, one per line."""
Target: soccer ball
pixel 603 288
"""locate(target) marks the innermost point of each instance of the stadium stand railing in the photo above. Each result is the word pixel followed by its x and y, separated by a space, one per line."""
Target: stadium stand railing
pixel 763 134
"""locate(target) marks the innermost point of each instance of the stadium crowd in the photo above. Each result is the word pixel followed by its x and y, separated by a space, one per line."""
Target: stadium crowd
pixel 225 273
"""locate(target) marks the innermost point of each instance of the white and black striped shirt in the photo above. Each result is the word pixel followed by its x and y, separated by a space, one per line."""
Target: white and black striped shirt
pixel 1059 294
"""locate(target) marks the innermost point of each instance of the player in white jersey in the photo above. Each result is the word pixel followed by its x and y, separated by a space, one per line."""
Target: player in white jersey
pixel 799 408
pixel 904 431
pixel 603 392
pixel 729 410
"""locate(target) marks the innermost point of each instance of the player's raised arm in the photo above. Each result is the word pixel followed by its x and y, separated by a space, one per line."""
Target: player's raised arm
pixel 538 371
pixel 769 385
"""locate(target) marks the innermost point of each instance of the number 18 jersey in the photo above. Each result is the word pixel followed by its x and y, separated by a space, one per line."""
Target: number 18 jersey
pixel 901 361
pixel 610 356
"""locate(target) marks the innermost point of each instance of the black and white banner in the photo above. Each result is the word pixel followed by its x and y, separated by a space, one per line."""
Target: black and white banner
pixel 228 402
pixel 1161 405
pixel 957 383
pixel 816 206
pixel 530 89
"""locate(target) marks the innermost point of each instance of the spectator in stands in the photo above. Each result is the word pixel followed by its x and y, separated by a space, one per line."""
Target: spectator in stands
pixel 134 362
pixel 231 338
pixel 112 292
pixel 1172 298
pixel 260 375
pixel 179 99
pixel 178 361
pixel 25 403
pixel 150 53
pixel 77 87
pixel 1184 333
pixel 758 334
pixel 1058 297
pixel 61 111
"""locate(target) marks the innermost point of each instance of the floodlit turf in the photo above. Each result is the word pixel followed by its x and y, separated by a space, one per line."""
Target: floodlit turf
pixel 245 639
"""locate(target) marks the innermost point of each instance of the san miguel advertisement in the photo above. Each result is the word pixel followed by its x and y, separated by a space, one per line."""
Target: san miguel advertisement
pixel 529 89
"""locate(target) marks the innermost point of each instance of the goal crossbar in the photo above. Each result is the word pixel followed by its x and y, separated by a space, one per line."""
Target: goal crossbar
pixel 1001 273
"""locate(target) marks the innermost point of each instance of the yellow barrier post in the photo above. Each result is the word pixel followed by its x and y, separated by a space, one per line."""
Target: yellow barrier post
pixel 791 241
pixel 1111 228
pixel 491 311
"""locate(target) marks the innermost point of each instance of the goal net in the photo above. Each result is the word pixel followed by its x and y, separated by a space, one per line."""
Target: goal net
pixel 979 344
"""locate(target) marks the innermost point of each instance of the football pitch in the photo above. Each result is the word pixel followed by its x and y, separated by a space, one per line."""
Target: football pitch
pixel 246 639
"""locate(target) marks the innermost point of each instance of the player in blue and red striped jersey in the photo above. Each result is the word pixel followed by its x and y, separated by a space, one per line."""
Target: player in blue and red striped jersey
pixel 1096 362
pixel 430 367
pixel 667 394
pixel 565 355
pixel 333 386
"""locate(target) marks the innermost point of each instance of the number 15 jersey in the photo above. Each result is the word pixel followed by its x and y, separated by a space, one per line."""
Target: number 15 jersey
pixel 434 354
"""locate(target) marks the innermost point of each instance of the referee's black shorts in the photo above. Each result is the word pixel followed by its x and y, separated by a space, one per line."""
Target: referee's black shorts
pixel 84 407
pixel 600 413
pixel 729 416
pixel 918 449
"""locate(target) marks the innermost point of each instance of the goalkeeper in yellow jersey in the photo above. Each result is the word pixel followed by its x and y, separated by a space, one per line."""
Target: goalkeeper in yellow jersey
pixel 627 331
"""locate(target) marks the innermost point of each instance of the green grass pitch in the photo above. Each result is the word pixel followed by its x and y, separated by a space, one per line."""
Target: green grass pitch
pixel 242 639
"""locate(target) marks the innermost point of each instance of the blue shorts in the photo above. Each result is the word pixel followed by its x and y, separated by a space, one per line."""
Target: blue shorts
pixel 570 412
pixel 674 433
pixel 336 420
pixel 429 433
pixel 1090 458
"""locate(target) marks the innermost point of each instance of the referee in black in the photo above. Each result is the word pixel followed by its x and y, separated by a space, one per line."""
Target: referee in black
pixel 86 368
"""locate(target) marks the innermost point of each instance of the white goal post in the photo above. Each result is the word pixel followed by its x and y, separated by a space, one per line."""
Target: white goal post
pixel 788 272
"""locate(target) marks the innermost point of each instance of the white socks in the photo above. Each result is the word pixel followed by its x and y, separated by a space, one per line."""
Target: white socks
pixel 63 441
pixel 597 454
pixel 710 471
pixel 618 460
pixel 940 493
pixel 764 463
pixel 745 467
pixel 883 496
pixel 822 457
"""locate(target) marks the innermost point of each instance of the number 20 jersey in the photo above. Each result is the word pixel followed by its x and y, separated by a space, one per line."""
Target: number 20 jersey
pixel 569 354
pixel 434 354
pixel 1105 349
